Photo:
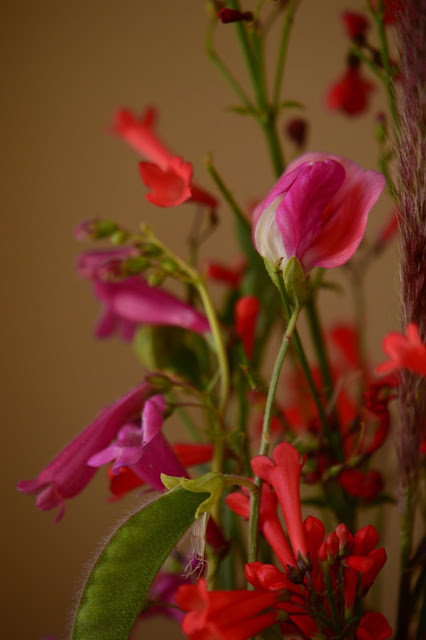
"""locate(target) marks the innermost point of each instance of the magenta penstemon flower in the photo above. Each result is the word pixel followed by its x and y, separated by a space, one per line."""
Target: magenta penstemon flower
pixel 68 473
pixel 144 448
pixel 317 211
pixel 131 302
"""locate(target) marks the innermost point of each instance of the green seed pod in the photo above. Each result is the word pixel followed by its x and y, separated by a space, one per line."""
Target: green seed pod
pixel 118 585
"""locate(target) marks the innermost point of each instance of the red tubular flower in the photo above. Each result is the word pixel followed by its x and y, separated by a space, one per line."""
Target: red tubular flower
pixel 225 615
pixel 350 93
pixel 284 477
pixel 364 559
pixel 405 352
pixel 167 176
pixel 229 275
pixel 356 25
pixel 373 626
pixel 269 522
pixel 246 313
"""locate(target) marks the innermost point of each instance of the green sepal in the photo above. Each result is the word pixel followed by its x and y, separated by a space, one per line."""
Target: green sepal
pixel 118 584
pixel 212 483
pixel 296 284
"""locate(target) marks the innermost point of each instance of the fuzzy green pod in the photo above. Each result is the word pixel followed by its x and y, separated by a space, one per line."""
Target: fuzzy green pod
pixel 118 585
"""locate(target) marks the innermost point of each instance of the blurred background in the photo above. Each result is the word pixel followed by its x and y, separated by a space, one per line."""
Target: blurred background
pixel 67 66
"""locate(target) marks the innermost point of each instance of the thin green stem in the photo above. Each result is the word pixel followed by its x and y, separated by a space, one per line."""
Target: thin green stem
pixel 304 362
pixel 384 51
pixel 282 52
pixel 228 75
pixel 406 541
pixel 246 48
pixel 266 433
pixel 359 53
pixel 319 346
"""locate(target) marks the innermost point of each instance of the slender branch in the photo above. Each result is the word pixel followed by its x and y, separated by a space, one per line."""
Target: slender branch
pixel 282 52
pixel 266 431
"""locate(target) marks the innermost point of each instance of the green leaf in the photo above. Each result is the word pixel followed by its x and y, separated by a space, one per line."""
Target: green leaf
pixel 118 585
pixel 291 104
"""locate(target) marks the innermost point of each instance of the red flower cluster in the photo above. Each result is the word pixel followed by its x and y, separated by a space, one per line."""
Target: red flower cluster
pixel 318 591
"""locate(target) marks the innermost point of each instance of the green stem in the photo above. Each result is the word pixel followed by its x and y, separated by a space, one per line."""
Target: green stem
pixel 282 52
pixel 266 431
pixel 319 346
pixel 359 53
pixel 229 77
pixel 384 51
pixel 304 362
pixel 406 539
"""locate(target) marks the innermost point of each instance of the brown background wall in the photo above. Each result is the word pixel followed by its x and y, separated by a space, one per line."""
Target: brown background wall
pixel 66 67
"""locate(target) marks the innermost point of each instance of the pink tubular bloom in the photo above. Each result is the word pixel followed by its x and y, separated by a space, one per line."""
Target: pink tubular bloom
pixel 284 477
pixel 404 352
pixel 68 473
pixel 317 211
pixel 144 449
pixel 167 176
pixel 133 302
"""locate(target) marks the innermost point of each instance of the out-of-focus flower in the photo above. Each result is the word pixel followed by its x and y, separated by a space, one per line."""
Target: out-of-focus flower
pixel 317 211
pixel 68 473
pixel 365 486
pixel 373 626
pixel 351 92
pixel 225 615
pixel 167 176
pixel 404 352
pixel 246 313
pixel 391 8
pixel 356 24
pixel 230 275
pixel 234 15
pixel 131 302
pixel 296 129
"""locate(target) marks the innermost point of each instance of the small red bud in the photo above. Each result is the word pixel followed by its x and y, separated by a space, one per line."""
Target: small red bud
pixel 233 15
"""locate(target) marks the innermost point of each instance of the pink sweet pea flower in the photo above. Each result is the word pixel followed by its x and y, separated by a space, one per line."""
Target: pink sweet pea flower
pixel 405 352
pixel 143 448
pixel 68 473
pixel 167 176
pixel 317 211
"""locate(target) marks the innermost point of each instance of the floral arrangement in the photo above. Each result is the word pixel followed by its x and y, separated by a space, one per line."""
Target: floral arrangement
pixel 225 550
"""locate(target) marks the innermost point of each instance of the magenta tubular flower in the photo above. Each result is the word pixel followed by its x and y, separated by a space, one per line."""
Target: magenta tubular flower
pixel 143 448
pixel 317 211
pixel 69 473
pixel 284 477
pixel 167 176
pixel 132 302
